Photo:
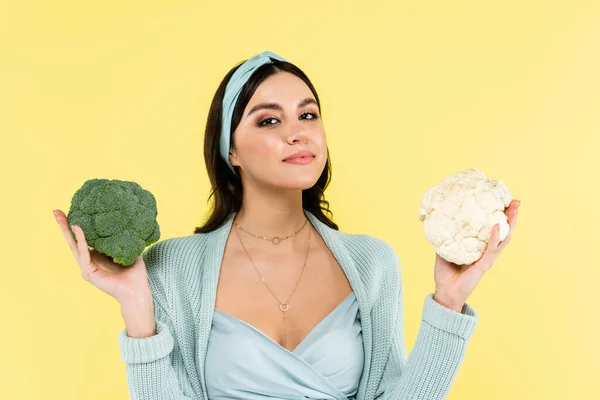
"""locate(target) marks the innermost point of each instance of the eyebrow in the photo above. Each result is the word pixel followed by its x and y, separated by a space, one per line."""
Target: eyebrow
pixel 276 106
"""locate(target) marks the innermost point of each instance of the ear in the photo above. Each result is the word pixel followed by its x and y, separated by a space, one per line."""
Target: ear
pixel 233 157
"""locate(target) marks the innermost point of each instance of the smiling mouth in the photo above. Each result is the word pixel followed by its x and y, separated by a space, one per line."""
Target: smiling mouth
pixel 300 160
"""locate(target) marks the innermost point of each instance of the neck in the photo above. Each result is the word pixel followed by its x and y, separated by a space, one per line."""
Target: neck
pixel 272 215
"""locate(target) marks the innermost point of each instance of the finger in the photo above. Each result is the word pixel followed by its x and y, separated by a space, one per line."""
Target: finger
pixel 62 222
pixel 512 222
pixel 492 241
pixel 84 252
pixel 489 253
pixel 496 236
pixel 512 206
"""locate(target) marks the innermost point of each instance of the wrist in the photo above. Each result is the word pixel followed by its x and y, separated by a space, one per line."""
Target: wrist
pixel 448 301
pixel 134 297
pixel 138 314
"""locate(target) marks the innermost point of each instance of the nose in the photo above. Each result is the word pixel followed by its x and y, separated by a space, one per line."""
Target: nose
pixel 297 137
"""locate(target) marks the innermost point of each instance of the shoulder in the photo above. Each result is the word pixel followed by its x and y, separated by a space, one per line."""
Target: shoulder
pixel 172 252
pixel 172 262
pixel 380 270
pixel 375 258
pixel 378 248
pixel 369 248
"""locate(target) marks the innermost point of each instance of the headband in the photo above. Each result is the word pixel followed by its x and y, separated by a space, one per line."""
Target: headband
pixel 232 92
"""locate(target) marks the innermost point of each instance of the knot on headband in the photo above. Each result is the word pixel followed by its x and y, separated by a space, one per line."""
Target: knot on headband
pixel 232 93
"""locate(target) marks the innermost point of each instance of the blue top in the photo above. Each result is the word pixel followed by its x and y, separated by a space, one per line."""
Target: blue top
pixel 183 273
pixel 244 363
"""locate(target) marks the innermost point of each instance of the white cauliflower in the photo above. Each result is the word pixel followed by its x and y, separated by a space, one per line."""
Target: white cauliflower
pixel 460 212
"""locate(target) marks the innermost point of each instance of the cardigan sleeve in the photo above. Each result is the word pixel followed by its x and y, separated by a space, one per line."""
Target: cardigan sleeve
pixel 437 354
pixel 150 371
pixel 154 366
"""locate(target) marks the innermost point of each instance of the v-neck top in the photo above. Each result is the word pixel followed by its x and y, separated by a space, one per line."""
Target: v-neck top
pixel 183 273
pixel 244 363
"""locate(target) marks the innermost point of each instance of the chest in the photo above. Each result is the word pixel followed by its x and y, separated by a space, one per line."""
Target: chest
pixel 311 294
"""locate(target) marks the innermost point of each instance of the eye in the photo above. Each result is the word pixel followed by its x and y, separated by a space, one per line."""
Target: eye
pixel 262 124
pixel 314 116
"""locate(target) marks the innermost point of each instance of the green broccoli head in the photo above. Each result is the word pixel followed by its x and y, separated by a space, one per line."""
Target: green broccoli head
pixel 117 217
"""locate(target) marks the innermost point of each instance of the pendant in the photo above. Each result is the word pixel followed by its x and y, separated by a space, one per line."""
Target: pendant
pixel 284 332
pixel 281 307
pixel 275 240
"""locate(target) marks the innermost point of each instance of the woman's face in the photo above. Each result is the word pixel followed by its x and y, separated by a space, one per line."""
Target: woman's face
pixel 266 136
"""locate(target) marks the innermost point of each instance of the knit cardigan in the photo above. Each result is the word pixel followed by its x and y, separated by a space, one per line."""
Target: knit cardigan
pixel 183 273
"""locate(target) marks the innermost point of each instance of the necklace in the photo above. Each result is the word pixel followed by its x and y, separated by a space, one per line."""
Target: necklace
pixel 283 305
pixel 275 239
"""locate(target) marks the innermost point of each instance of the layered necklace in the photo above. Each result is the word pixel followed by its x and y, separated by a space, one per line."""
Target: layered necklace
pixel 283 305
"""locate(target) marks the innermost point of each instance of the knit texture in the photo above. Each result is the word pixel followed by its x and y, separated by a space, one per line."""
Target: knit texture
pixel 183 273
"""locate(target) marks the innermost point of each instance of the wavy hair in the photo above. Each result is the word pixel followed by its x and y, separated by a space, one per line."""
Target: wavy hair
pixel 226 187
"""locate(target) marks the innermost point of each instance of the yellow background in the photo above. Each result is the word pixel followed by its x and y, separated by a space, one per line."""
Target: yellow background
pixel 411 93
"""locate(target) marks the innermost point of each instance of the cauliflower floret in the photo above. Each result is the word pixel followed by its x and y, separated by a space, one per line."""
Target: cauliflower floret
pixel 459 213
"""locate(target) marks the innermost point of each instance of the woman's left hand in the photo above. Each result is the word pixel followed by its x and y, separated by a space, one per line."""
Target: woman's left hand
pixel 454 283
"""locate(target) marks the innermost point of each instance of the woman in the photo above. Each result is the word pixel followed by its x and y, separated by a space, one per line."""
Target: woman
pixel 268 299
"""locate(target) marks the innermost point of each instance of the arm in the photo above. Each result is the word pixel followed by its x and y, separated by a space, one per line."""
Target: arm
pixel 150 372
pixel 437 354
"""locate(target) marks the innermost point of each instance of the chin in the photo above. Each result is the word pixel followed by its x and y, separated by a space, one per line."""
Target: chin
pixel 298 184
pixel 299 181
pixel 294 177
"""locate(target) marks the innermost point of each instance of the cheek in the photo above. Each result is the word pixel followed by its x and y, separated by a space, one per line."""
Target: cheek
pixel 320 137
pixel 321 144
pixel 258 150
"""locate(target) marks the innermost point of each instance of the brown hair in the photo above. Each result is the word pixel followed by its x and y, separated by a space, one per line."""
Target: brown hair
pixel 227 186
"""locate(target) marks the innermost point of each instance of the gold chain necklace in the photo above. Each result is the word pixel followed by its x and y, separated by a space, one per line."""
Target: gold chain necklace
pixel 275 239
pixel 283 306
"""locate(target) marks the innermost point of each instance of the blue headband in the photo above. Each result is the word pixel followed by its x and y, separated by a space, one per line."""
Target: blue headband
pixel 232 92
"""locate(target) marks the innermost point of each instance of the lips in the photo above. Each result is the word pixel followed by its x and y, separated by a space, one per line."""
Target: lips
pixel 300 154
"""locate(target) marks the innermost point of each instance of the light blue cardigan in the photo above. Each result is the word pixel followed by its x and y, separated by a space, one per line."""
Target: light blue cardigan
pixel 183 273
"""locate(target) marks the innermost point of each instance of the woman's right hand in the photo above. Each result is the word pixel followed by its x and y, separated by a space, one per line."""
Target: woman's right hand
pixel 116 280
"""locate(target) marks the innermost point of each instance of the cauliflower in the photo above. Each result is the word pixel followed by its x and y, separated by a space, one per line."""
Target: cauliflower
pixel 117 217
pixel 459 213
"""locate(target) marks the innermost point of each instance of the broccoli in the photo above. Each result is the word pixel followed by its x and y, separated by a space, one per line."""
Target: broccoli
pixel 117 217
